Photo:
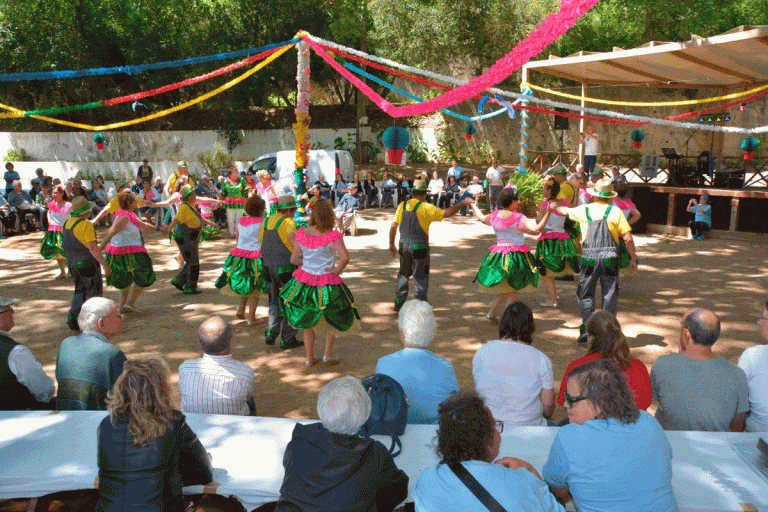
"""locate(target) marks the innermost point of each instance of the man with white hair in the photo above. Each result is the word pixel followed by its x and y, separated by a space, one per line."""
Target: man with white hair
pixel 87 365
pixel 329 467
pixel 25 206
pixel 427 379
pixel 23 382
pixel 216 383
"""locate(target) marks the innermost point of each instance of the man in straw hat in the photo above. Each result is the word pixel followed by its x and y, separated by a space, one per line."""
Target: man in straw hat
pixel 113 205
pixel 413 217
pixel 189 224
pixel 277 236
pixel 601 225
pixel 182 169
pixel 85 261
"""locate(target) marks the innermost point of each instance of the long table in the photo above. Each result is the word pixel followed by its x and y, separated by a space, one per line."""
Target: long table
pixel 42 453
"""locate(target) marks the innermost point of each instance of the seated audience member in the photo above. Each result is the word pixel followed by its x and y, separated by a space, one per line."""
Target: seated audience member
pixel 474 191
pixel 388 187
pixel 468 439
pixel 346 208
pixel 455 170
pixel 403 188
pixel 754 362
pixel 329 467
pixel 142 443
pixel 340 188
pixel 515 379
pixel 25 207
pixel 605 340
pixel 702 216
pixel 434 188
pixel 450 194
pixel 611 456
pixel 78 189
pixel 7 215
pixel 697 390
pixel 23 383
pixel 36 187
pixel 41 201
pixel 370 190
pixel 87 365
pixel 216 383
pixel 427 379
pixel 325 187
pixel 148 194
pixel 98 196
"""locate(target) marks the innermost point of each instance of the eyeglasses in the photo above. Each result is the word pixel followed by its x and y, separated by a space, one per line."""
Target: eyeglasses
pixel 499 425
pixel 573 399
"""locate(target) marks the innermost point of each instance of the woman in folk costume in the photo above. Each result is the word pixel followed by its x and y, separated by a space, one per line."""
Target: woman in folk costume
pixel 266 189
pixel 630 211
pixel 234 191
pixel 316 291
pixel 243 270
pixel 58 213
pixel 556 252
pixel 509 266
pixel 126 255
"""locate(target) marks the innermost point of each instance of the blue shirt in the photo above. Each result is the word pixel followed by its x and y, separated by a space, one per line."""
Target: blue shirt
pixel 349 202
pixel 427 380
pixel 705 217
pixel 608 465
pixel 438 489
pixel 10 177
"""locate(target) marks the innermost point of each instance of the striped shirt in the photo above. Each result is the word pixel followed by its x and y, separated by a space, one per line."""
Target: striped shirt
pixel 215 385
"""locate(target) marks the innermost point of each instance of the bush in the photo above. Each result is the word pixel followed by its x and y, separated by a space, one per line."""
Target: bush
pixel 18 155
pixel 214 159
pixel 529 191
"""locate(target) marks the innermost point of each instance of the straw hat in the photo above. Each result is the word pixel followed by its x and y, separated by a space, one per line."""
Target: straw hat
pixel 186 190
pixel 80 205
pixel 181 164
pixel 419 185
pixel 603 188
pixel 285 203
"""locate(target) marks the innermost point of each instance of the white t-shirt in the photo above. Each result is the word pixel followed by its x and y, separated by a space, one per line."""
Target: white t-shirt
pixel 510 376
pixel 590 144
pixel 435 186
pixel 754 362
pixel 493 175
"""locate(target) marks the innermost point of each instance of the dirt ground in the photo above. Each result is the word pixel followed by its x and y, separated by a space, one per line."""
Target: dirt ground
pixel 675 274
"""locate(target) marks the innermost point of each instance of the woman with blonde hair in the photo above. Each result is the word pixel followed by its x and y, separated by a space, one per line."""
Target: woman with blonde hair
pixel 58 214
pixel 144 443
pixel 266 189
pixel 606 341
pixel 316 291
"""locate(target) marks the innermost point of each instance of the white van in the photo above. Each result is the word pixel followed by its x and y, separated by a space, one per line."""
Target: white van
pixel 321 161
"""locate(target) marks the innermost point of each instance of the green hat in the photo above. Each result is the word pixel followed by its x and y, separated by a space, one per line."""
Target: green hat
pixel 186 190
pixel 419 185
pixel 181 163
pixel 597 172
pixel 559 170
pixel 80 205
pixel 603 188
pixel 120 183
pixel 285 202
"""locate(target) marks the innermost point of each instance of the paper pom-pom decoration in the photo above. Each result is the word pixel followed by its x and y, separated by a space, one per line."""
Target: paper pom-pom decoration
pixel 99 140
pixel 469 131
pixel 637 137
pixel 395 139
pixel 748 146
pixel 744 107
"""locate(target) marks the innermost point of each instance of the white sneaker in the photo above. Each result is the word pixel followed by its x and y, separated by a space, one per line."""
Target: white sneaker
pixel 549 304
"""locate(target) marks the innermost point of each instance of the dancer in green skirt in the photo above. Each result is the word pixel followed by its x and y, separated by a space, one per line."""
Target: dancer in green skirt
pixel 556 251
pixel 126 254
pixel 243 270
pixel 58 214
pixel 316 291
pixel 509 266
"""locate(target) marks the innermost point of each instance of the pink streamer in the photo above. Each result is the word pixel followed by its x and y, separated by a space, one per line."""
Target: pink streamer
pixel 543 35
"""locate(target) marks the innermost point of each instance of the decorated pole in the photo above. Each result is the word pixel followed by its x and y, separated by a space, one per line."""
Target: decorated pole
pixel 301 127
pixel 523 166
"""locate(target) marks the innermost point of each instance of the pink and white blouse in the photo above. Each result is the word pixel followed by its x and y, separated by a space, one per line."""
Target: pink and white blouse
pixel 624 206
pixel 555 228
pixel 248 244
pixel 58 215
pixel 265 193
pixel 319 257
pixel 128 240
pixel 509 237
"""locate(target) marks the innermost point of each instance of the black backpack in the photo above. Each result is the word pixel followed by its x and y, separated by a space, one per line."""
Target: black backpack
pixel 389 410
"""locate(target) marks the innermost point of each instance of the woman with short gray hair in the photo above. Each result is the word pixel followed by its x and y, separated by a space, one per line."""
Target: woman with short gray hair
pixel 329 467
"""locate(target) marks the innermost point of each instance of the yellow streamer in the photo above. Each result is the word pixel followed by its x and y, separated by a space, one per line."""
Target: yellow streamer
pixel 648 104
pixel 162 113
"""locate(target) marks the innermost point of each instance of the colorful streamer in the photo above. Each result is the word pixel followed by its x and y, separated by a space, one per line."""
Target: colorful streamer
pixel 135 70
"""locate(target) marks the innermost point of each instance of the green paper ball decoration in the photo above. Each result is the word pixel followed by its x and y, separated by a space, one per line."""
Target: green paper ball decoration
pixel 637 135
pixel 470 129
pixel 98 138
pixel 396 137
pixel 750 144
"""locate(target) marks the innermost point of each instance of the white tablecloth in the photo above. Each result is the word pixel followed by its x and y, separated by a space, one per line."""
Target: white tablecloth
pixel 42 453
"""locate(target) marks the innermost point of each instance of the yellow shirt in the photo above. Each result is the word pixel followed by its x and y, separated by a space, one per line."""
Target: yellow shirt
pixel 617 223
pixel 186 216
pixel 287 227
pixel 567 192
pixel 171 185
pixel 427 213
pixel 84 231
pixel 112 207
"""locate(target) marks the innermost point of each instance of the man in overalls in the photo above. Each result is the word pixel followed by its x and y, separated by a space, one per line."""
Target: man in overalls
pixel 85 261
pixel 414 217
pixel 189 224
pixel 601 225
pixel 277 236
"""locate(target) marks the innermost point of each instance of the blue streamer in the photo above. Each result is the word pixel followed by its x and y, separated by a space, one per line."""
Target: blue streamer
pixel 135 70
pixel 383 83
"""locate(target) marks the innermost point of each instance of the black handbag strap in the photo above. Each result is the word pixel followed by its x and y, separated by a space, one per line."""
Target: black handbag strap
pixel 477 489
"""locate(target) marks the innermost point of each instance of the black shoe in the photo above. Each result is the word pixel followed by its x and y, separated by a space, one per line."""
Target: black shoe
pixel 290 343
pixel 269 340
pixel 397 307
pixel 582 339
pixel 565 278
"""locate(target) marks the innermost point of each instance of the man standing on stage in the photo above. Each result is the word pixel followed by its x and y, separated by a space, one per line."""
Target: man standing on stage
pixel 589 140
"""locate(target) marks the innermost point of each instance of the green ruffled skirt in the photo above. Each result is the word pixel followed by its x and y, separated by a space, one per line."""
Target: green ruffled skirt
pixel 306 305
pixel 127 269
pixel 624 256
pixel 244 276
pixel 515 270
pixel 557 257
pixel 209 232
pixel 51 245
